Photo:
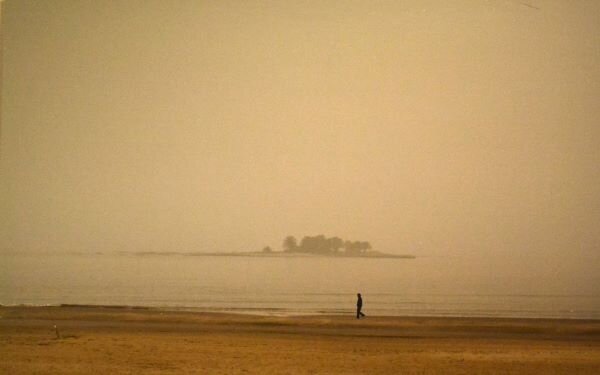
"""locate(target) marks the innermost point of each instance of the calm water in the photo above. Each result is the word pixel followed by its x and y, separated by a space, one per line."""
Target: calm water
pixel 435 286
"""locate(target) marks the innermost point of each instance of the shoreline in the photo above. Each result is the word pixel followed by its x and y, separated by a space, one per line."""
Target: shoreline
pixel 557 328
pixel 83 339
pixel 236 254
pixel 286 312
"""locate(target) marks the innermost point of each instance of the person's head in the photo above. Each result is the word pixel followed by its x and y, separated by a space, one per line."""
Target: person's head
pixel 358 295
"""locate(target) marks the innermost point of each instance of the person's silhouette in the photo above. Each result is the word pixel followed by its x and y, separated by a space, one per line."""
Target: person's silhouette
pixel 359 307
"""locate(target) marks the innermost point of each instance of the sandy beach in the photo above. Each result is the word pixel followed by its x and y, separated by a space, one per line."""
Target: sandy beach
pixel 135 340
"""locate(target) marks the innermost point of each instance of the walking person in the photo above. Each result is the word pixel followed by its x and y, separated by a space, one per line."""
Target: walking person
pixel 359 307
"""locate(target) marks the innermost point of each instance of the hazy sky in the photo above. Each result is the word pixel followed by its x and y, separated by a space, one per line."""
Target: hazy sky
pixel 424 127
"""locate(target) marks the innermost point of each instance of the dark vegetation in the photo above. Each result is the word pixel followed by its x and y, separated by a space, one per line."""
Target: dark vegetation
pixel 325 246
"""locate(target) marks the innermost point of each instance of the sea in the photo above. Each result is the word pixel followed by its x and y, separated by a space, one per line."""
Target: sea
pixel 466 286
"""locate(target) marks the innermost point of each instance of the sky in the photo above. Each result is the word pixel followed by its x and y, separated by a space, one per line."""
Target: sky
pixel 423 127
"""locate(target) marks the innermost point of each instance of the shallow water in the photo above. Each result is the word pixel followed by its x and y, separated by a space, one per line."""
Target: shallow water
pixel 430 286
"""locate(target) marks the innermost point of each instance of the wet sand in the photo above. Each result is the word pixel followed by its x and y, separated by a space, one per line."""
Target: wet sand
pixel 130 340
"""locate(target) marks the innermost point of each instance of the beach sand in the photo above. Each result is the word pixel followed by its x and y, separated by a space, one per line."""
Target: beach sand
pixel 107 340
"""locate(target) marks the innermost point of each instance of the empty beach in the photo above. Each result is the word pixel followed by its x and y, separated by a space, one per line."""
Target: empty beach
pixel 131 340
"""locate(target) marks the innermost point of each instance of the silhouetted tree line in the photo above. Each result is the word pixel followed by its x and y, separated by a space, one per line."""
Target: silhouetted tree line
pixel 323 245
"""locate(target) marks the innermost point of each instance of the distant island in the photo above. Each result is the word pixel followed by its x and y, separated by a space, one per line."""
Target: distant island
pixel 309 246
pixel 324 246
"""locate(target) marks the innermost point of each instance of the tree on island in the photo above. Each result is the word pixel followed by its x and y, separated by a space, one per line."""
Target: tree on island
pixel 290 244
pixel 356 247
pixel 267 249
pixel 335 244
pixel 317 244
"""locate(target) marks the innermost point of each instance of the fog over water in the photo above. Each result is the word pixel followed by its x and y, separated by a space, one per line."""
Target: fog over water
pixel 431 286
pixel 450 129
